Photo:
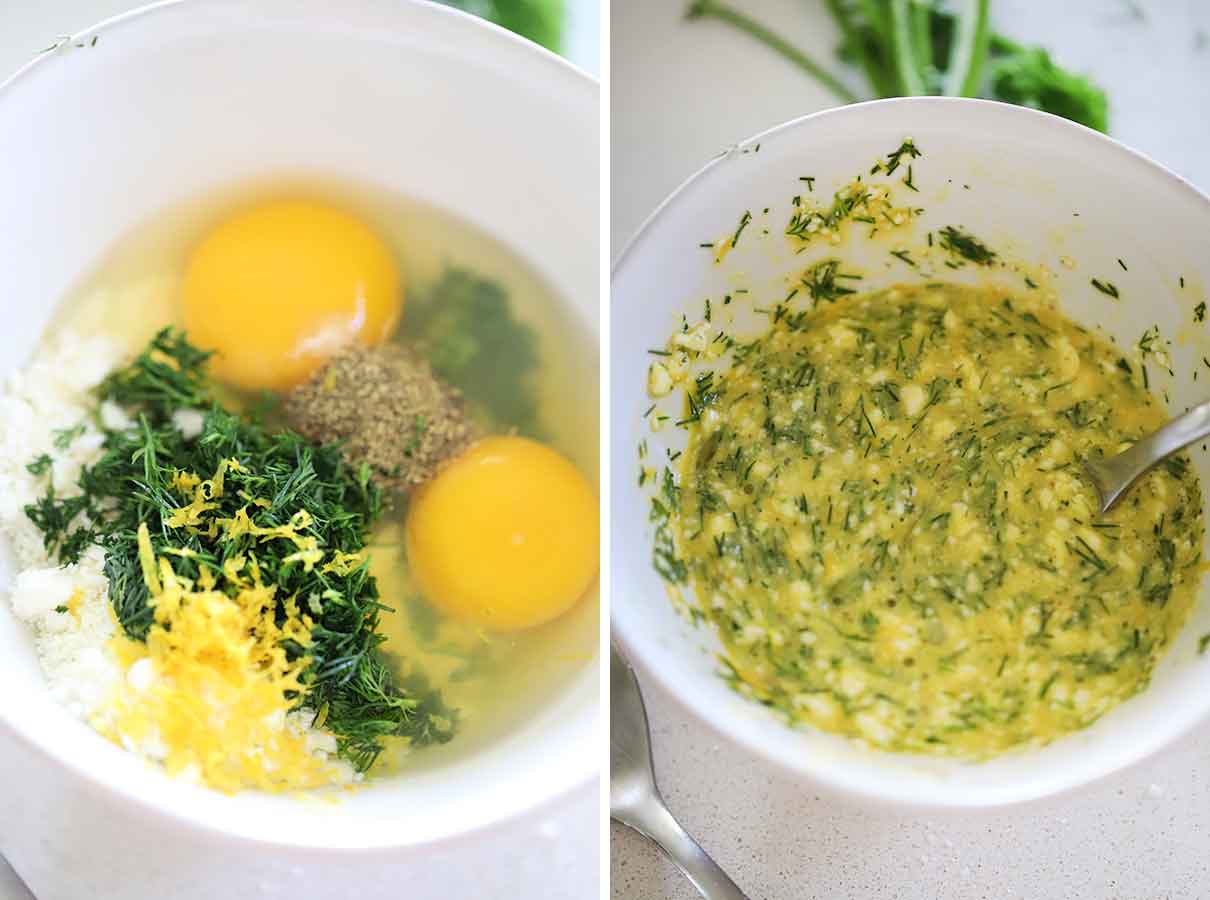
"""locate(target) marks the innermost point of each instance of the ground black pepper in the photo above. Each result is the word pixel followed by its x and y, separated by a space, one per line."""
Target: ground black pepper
pixel 388 409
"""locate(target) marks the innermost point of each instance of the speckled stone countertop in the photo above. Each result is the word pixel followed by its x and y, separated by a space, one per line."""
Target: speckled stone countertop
pixel 680 94
pixel 1142 835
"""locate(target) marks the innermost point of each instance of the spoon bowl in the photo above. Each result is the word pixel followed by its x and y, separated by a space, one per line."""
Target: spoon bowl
pixel 1114 475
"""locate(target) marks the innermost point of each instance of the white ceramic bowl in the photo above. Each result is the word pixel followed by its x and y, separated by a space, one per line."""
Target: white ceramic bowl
pixel 179 99
pixel 1040 189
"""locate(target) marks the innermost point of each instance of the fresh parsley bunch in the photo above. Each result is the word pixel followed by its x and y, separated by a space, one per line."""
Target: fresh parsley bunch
pixel 908 48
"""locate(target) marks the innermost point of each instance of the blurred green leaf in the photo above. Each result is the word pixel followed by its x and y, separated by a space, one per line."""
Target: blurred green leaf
pixel 1030 78
pixel 906 47
pixel 539 20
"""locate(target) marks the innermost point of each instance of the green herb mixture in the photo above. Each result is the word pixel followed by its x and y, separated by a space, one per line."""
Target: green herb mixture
pixel 282 483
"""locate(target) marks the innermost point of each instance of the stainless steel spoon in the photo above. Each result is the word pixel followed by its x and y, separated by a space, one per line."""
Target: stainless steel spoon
pixel 634 799
pixel 1113 476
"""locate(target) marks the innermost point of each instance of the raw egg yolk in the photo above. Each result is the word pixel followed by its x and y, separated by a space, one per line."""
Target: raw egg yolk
pixel 279 288
pixel 506 536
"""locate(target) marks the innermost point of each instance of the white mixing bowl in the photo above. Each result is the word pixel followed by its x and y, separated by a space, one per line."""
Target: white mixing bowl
pixel 179 99
pixel 1032 186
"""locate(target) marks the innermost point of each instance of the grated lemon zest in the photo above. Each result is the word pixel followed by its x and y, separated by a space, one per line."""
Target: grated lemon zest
pixel 223 684
pixel 184 483
pixel 73 603
pixel 345 563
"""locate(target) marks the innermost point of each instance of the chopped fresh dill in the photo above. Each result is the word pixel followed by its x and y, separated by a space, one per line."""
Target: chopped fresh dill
pixel 1046 685
pixel 906 150
pixel 1150 345
pixel 820 281
pixel 466 326
pixel 967 246
pixel 1106 287
pixel 39 466
pixel 65 437
pixel 745 219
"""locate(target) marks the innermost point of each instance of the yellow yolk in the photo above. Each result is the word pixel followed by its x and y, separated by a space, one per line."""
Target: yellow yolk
pixel 505 536
pixel 280 287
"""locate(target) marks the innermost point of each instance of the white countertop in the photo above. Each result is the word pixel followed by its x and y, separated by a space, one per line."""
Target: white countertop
pixel 681 93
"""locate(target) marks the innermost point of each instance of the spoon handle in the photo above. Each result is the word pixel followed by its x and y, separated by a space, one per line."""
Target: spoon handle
pixel 1117 473
pixel 655 822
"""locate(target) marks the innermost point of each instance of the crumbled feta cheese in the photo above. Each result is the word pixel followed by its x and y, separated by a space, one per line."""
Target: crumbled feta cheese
pixel 141 674
pixel 188 422
pixel 659 382
pixel 913 397
pixel 695 339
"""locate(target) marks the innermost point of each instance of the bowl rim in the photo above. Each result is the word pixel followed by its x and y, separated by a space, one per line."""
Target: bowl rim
pixel 584 776
pixel 433 6
pixel 1106 141
pixel 716 719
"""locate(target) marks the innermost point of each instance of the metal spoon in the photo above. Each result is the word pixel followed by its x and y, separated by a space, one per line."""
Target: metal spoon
pixel 634 799
pixel 1114 475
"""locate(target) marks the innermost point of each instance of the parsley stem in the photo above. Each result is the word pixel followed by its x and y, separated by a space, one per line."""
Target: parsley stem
pixel 905 54
pixel 880 79
pixel 969 51
pixel 724 13
pixel 922 40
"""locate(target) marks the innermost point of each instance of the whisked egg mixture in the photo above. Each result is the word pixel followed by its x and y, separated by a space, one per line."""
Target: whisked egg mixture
pixel 471 463
pixel 880 505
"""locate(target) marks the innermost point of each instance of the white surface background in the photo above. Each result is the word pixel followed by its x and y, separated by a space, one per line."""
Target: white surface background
pixel 28 26
pixel 682 93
